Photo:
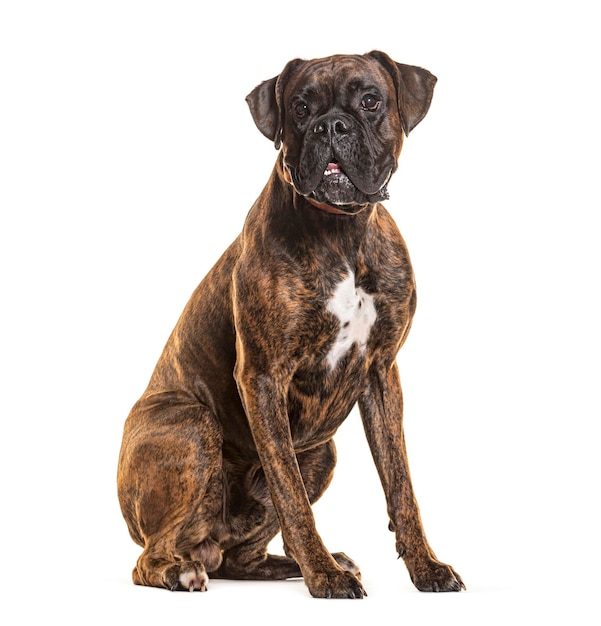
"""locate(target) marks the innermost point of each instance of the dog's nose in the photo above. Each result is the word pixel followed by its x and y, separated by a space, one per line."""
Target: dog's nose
pixel 331 125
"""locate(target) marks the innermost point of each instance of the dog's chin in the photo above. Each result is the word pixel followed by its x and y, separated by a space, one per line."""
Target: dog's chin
pixel 337 189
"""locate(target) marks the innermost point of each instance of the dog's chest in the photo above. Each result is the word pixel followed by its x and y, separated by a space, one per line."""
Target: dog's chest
pixel 355 312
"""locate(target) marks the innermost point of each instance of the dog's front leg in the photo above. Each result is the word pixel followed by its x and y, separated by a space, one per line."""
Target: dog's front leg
pixel 264 399
pixel 381 407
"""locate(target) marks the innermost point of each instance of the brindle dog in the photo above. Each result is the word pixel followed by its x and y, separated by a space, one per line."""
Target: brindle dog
pixel 299 320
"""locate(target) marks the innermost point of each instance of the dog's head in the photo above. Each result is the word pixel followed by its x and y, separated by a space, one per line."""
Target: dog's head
pixel 340 122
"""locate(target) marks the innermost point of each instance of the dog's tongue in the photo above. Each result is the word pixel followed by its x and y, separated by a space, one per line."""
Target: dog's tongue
pixel 332 168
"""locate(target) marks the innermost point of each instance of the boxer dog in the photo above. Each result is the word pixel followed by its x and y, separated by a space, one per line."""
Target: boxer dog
pixel 299 320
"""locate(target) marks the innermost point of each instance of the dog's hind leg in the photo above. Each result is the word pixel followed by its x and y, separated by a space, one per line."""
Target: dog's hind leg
pixel 170 490
pixel 254 522
pixel 251 524
pixel 317 469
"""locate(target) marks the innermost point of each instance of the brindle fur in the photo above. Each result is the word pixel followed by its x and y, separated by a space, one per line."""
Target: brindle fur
pixel 232 440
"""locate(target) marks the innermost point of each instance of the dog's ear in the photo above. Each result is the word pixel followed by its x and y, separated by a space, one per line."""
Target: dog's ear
pixel 265 111
pixel 265 103
pixel 414 86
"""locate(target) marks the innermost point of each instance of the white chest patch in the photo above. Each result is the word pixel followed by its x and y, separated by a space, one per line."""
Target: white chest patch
pixel 355 310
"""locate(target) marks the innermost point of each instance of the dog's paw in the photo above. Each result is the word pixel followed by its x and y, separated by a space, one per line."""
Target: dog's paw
pixel 436 576
pixel 335 584
pixel 347 564
pixel 186 576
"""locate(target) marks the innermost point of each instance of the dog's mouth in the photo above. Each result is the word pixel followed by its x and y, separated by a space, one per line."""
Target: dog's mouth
pixel 349 192
pixel 333 169
pixel 335 185
pixel 337 188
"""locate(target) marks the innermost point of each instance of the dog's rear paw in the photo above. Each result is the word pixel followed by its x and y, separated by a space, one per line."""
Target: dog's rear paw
pixel 186 576
pixel 435 576
pixel 347 564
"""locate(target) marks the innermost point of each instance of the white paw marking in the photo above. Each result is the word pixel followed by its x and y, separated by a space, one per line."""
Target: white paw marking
pixel 194 580
pixel 355 310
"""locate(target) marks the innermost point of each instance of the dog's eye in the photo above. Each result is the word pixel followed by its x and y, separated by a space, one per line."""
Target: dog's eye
pixel 301 109
pixel 370 103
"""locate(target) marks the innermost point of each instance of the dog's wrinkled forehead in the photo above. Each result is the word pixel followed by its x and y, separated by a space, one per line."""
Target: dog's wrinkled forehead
pixel 336 78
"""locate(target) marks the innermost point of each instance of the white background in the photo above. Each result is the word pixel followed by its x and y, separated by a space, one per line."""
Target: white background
pixel 128 161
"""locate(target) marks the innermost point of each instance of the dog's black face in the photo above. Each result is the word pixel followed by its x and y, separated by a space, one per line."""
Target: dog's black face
pixel 341 122
pixel 341 131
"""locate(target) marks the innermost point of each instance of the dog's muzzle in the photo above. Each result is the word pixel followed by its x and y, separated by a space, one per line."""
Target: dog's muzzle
pixel 336 165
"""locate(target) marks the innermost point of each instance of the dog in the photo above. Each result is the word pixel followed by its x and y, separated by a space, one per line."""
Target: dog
pixel 299 320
